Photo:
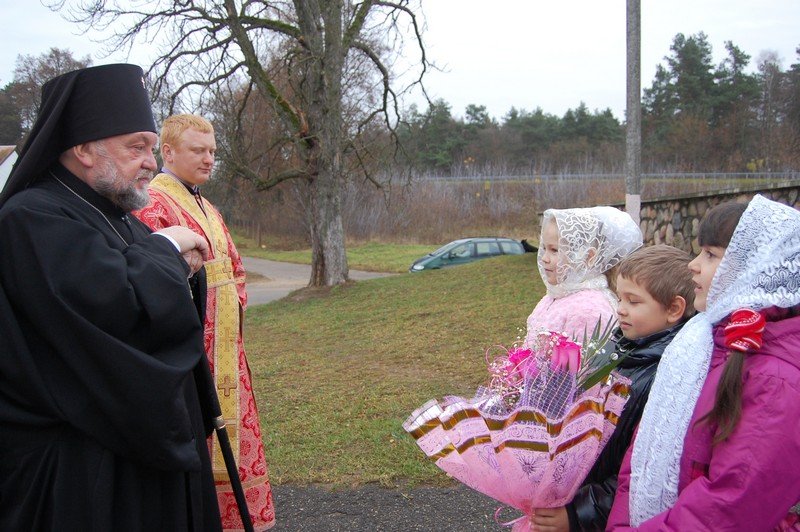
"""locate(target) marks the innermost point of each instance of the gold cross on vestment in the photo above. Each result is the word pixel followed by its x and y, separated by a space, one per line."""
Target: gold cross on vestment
pixel 227 385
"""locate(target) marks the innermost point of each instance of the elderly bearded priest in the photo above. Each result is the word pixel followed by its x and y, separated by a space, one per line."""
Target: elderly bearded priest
pixel 103 422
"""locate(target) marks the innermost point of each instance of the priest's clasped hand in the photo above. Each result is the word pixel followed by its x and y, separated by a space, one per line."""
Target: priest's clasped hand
pixel 193 247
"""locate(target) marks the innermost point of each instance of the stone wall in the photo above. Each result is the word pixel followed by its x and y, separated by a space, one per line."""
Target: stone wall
pixel 674 221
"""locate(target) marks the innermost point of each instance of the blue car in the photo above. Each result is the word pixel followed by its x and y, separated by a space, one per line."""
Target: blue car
pixel 467 250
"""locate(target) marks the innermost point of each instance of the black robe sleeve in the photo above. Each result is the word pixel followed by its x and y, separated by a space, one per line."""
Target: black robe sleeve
pixel 112 336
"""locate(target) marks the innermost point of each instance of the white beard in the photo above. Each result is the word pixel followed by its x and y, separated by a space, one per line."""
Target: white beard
pixel 111 184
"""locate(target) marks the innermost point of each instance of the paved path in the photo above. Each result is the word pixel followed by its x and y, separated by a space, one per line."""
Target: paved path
pixel 280 278
pixel 374 509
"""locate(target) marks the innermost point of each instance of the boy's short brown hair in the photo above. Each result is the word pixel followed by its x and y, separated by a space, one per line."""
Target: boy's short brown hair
pixel 663 271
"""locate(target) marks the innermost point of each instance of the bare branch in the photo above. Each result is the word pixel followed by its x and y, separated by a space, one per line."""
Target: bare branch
pixel 387 89
pixel 265 184
pixel 358 23
pixel 257 72
pixel 205 83
pixel 418 34
pixel 362 164
pixel 254 23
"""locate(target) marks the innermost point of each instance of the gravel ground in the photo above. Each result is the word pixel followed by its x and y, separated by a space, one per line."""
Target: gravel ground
pixel 372 508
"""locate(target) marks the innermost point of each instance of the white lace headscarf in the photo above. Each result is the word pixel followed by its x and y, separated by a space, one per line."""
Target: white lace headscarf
pixel 591 241
pixel 760 269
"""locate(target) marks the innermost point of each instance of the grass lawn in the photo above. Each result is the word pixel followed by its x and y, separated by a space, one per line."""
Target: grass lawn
pixel 371 257
pixel 337 371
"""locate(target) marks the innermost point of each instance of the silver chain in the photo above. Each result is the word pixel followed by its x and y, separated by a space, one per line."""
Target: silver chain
pixel 93 207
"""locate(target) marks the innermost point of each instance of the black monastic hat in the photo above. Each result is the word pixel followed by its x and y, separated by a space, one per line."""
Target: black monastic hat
pixel 81 106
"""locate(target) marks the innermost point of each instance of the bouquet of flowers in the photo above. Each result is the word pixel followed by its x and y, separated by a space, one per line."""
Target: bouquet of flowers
pixel 529 437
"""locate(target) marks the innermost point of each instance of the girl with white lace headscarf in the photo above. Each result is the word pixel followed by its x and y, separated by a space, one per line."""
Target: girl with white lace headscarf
pixel 718 447
pixel 577 248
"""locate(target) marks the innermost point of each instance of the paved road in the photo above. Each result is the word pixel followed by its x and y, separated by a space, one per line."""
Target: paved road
pixel 280 278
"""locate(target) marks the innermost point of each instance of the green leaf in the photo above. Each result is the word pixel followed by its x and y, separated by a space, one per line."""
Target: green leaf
pixel 596 363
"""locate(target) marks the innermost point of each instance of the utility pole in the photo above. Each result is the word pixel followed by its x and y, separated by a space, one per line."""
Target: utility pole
pixel 633 111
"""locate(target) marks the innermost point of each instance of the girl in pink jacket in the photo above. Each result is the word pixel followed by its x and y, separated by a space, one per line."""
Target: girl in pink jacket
pixel 577 250
pixel 718 447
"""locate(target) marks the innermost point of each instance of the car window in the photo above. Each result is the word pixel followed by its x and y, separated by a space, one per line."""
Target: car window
pixel 486 248
pixel 512 248
pixel 444 249
pixel 461 250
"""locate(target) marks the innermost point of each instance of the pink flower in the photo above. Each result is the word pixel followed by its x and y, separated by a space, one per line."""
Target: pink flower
pixel 521 361
pixel 566 354
pixel 517 355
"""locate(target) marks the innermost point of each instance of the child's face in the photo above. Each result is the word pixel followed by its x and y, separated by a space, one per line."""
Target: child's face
pixel 703 268
pixel 639 314
pixel 548 255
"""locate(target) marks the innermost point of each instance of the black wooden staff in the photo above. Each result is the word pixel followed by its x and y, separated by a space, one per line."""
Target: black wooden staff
pixel 227 451
pixel 197 285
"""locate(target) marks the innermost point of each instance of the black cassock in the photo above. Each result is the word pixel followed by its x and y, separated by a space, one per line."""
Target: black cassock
pixel 102 426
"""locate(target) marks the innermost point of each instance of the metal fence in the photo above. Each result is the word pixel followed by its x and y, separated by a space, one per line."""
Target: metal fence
pixel 755 176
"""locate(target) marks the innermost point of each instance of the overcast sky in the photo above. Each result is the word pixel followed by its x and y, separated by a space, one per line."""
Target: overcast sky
pixel 510 53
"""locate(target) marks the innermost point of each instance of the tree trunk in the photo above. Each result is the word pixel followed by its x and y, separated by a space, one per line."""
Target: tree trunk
pixel 323 92
pixel 328 257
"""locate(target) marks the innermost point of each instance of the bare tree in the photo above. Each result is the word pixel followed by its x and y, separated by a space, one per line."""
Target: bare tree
pixel 770 74
pixel 241 46
pixel 31 72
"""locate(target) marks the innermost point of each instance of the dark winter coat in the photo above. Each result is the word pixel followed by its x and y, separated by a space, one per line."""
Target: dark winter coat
pixel 591 505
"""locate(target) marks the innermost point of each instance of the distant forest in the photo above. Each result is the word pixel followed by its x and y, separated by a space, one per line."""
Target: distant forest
pixel 696 117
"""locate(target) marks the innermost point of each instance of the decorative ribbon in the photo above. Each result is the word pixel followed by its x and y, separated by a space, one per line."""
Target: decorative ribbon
pixel 743 331
pixel 520 524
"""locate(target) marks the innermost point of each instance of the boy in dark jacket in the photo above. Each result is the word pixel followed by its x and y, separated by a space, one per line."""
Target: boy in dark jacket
pixel 656 296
